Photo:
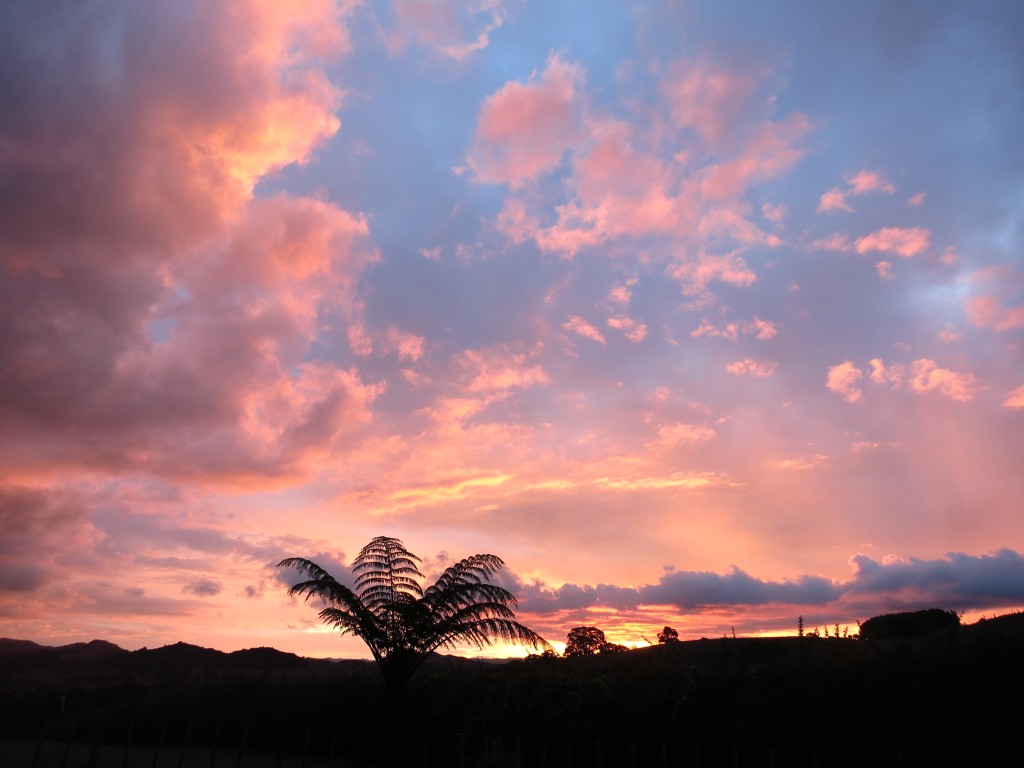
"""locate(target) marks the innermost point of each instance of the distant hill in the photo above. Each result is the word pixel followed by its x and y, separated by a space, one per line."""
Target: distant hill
pixel 954 693
pixel 28 665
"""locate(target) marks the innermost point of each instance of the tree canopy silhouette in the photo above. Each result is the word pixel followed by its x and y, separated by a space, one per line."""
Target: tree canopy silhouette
pixel 584 641
pixel 400 622
pixel 668 635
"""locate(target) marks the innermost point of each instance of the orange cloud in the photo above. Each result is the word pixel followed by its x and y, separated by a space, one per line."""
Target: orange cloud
pixel 500 368
pixel 678 433
pixel 1015 398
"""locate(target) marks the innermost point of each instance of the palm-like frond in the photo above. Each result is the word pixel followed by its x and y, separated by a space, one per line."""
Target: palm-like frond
pixel 402 623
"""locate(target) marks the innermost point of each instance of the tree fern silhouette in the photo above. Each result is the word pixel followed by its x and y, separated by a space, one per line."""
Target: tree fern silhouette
pixel 400 622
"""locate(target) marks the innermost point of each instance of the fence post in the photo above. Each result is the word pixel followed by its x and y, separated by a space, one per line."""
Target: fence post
pixel 241 747
pixel 280 751
pixel 185 745
pixel 67 745
pixel 460 750
pixel 42 740
pixel 213 749
pixel 128 746
pixel 159 743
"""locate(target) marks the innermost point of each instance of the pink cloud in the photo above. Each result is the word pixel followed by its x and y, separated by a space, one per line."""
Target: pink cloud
pixel 193 304
pixel 621 294
pixel 990 310
pixel 843 380
pixel 758 328
pixel 761 329
pixel 835 242
pixel 581 327
pixel 859 183
pixel 452 29
pixel 833 200
pixel 633 329
pixel 869 181
pixel 900 241
pixel 774 213
pixel 678 433
pixel 757 368
pixel 500 368
pixel 524 130
pixel 916 199
pixel 707 98
pixel 884 269
pixel 706 328
pixel 1015 399
pixel 892 375
pixel 927 376
pixel 770 150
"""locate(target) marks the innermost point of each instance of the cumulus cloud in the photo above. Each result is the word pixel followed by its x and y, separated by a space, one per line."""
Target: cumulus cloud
pixel 708 98
pixel 774 213
pixel 633 330
pixel 869 181
pixel 922 376
pixel 834 242
pixel 581 327
pixel 858 183
pixel 679 433
pixel 760 369
pixel 843 379
pixel 998 305
pixel 524 130
pixel 451 29
pixel 616 182
pixel 927 376
pixel 899 241
pixel 833 200
pixel 958 580
pixel 161 242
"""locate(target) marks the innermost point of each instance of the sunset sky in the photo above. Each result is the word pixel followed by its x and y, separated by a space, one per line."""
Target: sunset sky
pixel 696 313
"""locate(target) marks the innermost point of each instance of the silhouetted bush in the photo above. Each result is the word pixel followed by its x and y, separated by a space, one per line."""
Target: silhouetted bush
pixel 907 626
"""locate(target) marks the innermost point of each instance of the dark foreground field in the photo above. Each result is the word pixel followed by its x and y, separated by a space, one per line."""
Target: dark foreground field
pixel 955 698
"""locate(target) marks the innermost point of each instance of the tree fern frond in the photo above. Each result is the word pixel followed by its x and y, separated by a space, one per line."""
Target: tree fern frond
pixel 400 622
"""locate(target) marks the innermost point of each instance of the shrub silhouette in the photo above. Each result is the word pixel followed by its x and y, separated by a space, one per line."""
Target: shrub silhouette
pixel 908 625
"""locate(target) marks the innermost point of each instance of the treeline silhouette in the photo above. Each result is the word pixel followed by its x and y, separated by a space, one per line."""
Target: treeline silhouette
pixel 953 695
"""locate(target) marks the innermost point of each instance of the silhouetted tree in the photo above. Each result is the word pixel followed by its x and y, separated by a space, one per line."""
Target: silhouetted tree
pixel 400 622
pixel 668 635
pixel 584 641
pixel 904 626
